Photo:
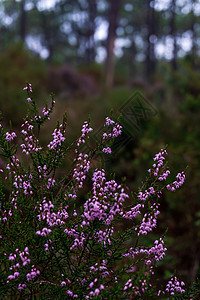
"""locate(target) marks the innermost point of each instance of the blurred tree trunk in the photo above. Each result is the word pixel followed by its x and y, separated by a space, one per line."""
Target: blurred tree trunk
pixel 47 33
pixel 150 51
pixel 91 49
pixel 194 37
pixel 173 33
pixel 113 24
pixel 22 21
pixel 131 58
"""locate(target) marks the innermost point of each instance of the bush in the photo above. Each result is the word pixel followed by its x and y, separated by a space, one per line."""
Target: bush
pixel 55 246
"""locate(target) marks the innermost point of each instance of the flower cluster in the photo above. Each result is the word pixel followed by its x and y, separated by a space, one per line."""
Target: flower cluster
pixel 21 183
pixel 28 87
pixel 149 220
pixel 86 129
pixel 25 260
pixel 51 182
pixel 78 243
pixel 31 143
pixel 46 112
pixel 173 286
pixel 29 90
pixel 107 200
pixel 143 196
pixel 151 196
pixel 114 131
pixel 33 273
pixel 10 136
pixel 159 162
pixel 51 218
pixel 58 138
pixel 137 290
pixel 78 237
pixel 81 168
pixel 177 183
pixel 155 253
pixel 95 291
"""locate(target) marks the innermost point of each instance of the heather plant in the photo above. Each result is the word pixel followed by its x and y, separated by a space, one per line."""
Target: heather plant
pixel 55 245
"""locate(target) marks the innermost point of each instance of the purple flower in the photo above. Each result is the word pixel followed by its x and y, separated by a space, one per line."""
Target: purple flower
pixel 109 121
pixel 177 183
pixel 86 129
pixel 33 273
pixel 10 136
pixel 81 169
pixel 107 150
pixel 12 257
pixel 174 285
pixel 21 286
pixel 91 284
pixel 58 139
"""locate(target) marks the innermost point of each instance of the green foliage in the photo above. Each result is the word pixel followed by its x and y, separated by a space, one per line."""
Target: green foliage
pixel 16 67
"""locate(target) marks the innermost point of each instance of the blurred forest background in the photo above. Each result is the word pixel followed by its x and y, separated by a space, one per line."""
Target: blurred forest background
pixel 94 56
